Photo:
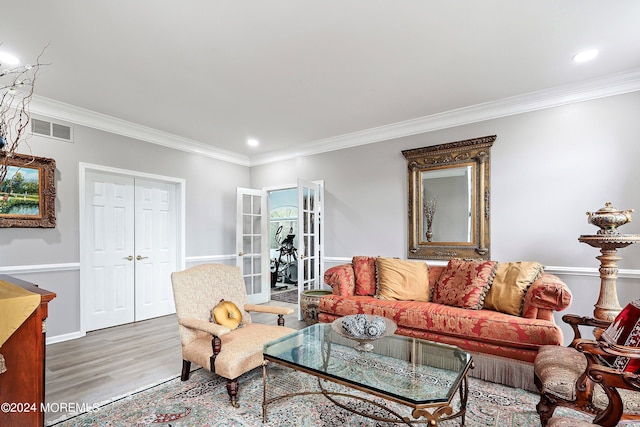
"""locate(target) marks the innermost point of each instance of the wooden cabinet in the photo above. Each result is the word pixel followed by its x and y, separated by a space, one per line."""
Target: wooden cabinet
pixel 24 353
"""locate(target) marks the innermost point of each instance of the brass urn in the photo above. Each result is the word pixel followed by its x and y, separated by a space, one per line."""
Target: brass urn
pixel 609 219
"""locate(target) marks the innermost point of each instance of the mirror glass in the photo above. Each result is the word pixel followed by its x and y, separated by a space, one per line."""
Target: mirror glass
pixel 448 200
pixel 448 204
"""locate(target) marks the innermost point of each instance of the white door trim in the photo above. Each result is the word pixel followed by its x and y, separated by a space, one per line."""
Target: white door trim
pixel 180 212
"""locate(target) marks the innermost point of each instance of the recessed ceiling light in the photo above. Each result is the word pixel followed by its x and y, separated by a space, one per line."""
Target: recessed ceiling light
pixel 252 142
pixel 585 55
pixel 8 59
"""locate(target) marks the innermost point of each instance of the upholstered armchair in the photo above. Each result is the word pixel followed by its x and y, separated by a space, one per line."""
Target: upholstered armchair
pixel 224 350
pixel 581 377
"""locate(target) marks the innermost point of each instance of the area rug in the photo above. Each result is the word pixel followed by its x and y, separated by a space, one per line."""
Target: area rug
pixel 286 296
pixel 203 401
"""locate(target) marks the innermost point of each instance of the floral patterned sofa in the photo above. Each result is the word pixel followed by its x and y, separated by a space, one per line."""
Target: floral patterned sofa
pixel 500 312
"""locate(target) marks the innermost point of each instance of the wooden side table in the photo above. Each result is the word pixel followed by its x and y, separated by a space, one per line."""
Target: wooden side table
pixel 22 385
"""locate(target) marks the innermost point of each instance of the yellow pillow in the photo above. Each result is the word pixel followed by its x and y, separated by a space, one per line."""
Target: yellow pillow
pixel 401 280
pixel 227 314
pixel 510 284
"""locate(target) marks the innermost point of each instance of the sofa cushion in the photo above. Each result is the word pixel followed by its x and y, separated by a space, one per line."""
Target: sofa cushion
pixel 484 327
pixel 364 268
pixel 401 280
pixel 625 330
pixel 464 283
pixel 509 286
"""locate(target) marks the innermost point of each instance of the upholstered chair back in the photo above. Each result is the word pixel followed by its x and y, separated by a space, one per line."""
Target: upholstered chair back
pixel 199 289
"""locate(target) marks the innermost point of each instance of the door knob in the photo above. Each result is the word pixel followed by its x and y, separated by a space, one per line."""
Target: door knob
pixel 128 258
pixel 141 257
pixel 240 253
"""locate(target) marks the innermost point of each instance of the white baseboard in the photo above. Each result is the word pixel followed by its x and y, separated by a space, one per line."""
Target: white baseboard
pixel 65 337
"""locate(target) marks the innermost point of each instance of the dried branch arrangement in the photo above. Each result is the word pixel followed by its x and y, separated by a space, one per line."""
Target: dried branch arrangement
pixel 16 91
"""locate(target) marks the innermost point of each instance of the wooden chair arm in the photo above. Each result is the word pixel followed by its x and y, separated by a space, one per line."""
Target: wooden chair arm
pixel 611 380
pixel 611 377
pixel 204 326
pixel 602 348
pixel 576 321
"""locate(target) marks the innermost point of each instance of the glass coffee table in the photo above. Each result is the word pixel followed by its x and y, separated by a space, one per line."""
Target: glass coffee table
pixel 423 375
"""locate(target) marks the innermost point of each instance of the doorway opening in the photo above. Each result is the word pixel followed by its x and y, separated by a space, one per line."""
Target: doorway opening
pixel 280 240
pixel 283 244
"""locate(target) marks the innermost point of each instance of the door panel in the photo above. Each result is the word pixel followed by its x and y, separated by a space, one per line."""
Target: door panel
pixel 155 239
pixel 252 243
pixel 310 198
pixel 109 214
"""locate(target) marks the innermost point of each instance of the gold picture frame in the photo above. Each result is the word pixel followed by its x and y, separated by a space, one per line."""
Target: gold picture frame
pixel 28 191
pixel 434 177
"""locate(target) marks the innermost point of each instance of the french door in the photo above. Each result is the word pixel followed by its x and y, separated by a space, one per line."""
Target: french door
pixel 128 249
pixel 311 241
pixel 252 243
pixel 252 240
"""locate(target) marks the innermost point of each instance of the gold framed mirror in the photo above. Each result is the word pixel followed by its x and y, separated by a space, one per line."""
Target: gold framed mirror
pixel 448 200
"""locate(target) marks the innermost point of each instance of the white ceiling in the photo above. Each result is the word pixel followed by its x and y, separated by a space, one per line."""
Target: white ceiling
pixel 297 73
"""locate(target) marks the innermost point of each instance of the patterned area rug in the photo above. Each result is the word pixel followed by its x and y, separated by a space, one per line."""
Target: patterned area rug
pixel 203 401
pixel 286 296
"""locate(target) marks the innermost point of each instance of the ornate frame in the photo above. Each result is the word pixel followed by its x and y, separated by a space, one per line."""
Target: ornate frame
pixel 46 218
pixel 473 152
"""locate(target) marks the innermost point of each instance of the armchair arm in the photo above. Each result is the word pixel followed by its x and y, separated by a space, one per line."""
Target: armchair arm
pixel 575 321
pixel 342 279
pixel 593 348
pixel 546 295
pixel 204 326
pixel 268 309
pixel 611 379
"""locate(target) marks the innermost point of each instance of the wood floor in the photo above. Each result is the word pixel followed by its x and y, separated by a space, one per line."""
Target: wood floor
pixel 113 362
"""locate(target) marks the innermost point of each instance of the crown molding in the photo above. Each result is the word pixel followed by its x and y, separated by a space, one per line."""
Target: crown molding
pixel 70 113
pixel 610 85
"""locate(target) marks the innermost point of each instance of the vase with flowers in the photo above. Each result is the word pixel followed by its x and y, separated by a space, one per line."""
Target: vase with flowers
pixel 429 213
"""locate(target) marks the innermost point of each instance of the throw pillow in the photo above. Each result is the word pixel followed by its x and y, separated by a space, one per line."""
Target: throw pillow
pixel 364 268
pixel 227 314
pixel 401 280
pixel 510 284
pixel 625 330
pixel 464 283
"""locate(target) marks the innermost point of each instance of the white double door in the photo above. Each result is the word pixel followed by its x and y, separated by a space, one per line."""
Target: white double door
pixel 129 249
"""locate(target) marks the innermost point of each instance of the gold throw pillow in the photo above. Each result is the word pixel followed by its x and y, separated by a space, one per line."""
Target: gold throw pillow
pixel 510 284
pixel 401 280
pixel 227 314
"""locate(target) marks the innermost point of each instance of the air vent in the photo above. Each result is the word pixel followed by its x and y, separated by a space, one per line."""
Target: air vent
pixel 51 129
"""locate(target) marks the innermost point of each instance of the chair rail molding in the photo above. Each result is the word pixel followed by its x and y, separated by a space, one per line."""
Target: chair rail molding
pixel 70 266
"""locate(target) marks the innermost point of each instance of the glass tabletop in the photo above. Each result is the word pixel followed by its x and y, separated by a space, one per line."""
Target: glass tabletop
pixel 408 369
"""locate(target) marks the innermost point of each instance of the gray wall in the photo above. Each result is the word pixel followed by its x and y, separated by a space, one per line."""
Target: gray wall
pixel 210 200
pixel 548 168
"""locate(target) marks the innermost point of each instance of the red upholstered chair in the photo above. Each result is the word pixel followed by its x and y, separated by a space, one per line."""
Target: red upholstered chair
pixel 228 351
pixel 591 376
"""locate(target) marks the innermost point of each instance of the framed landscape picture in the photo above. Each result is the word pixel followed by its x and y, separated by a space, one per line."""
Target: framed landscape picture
pixel 28 191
